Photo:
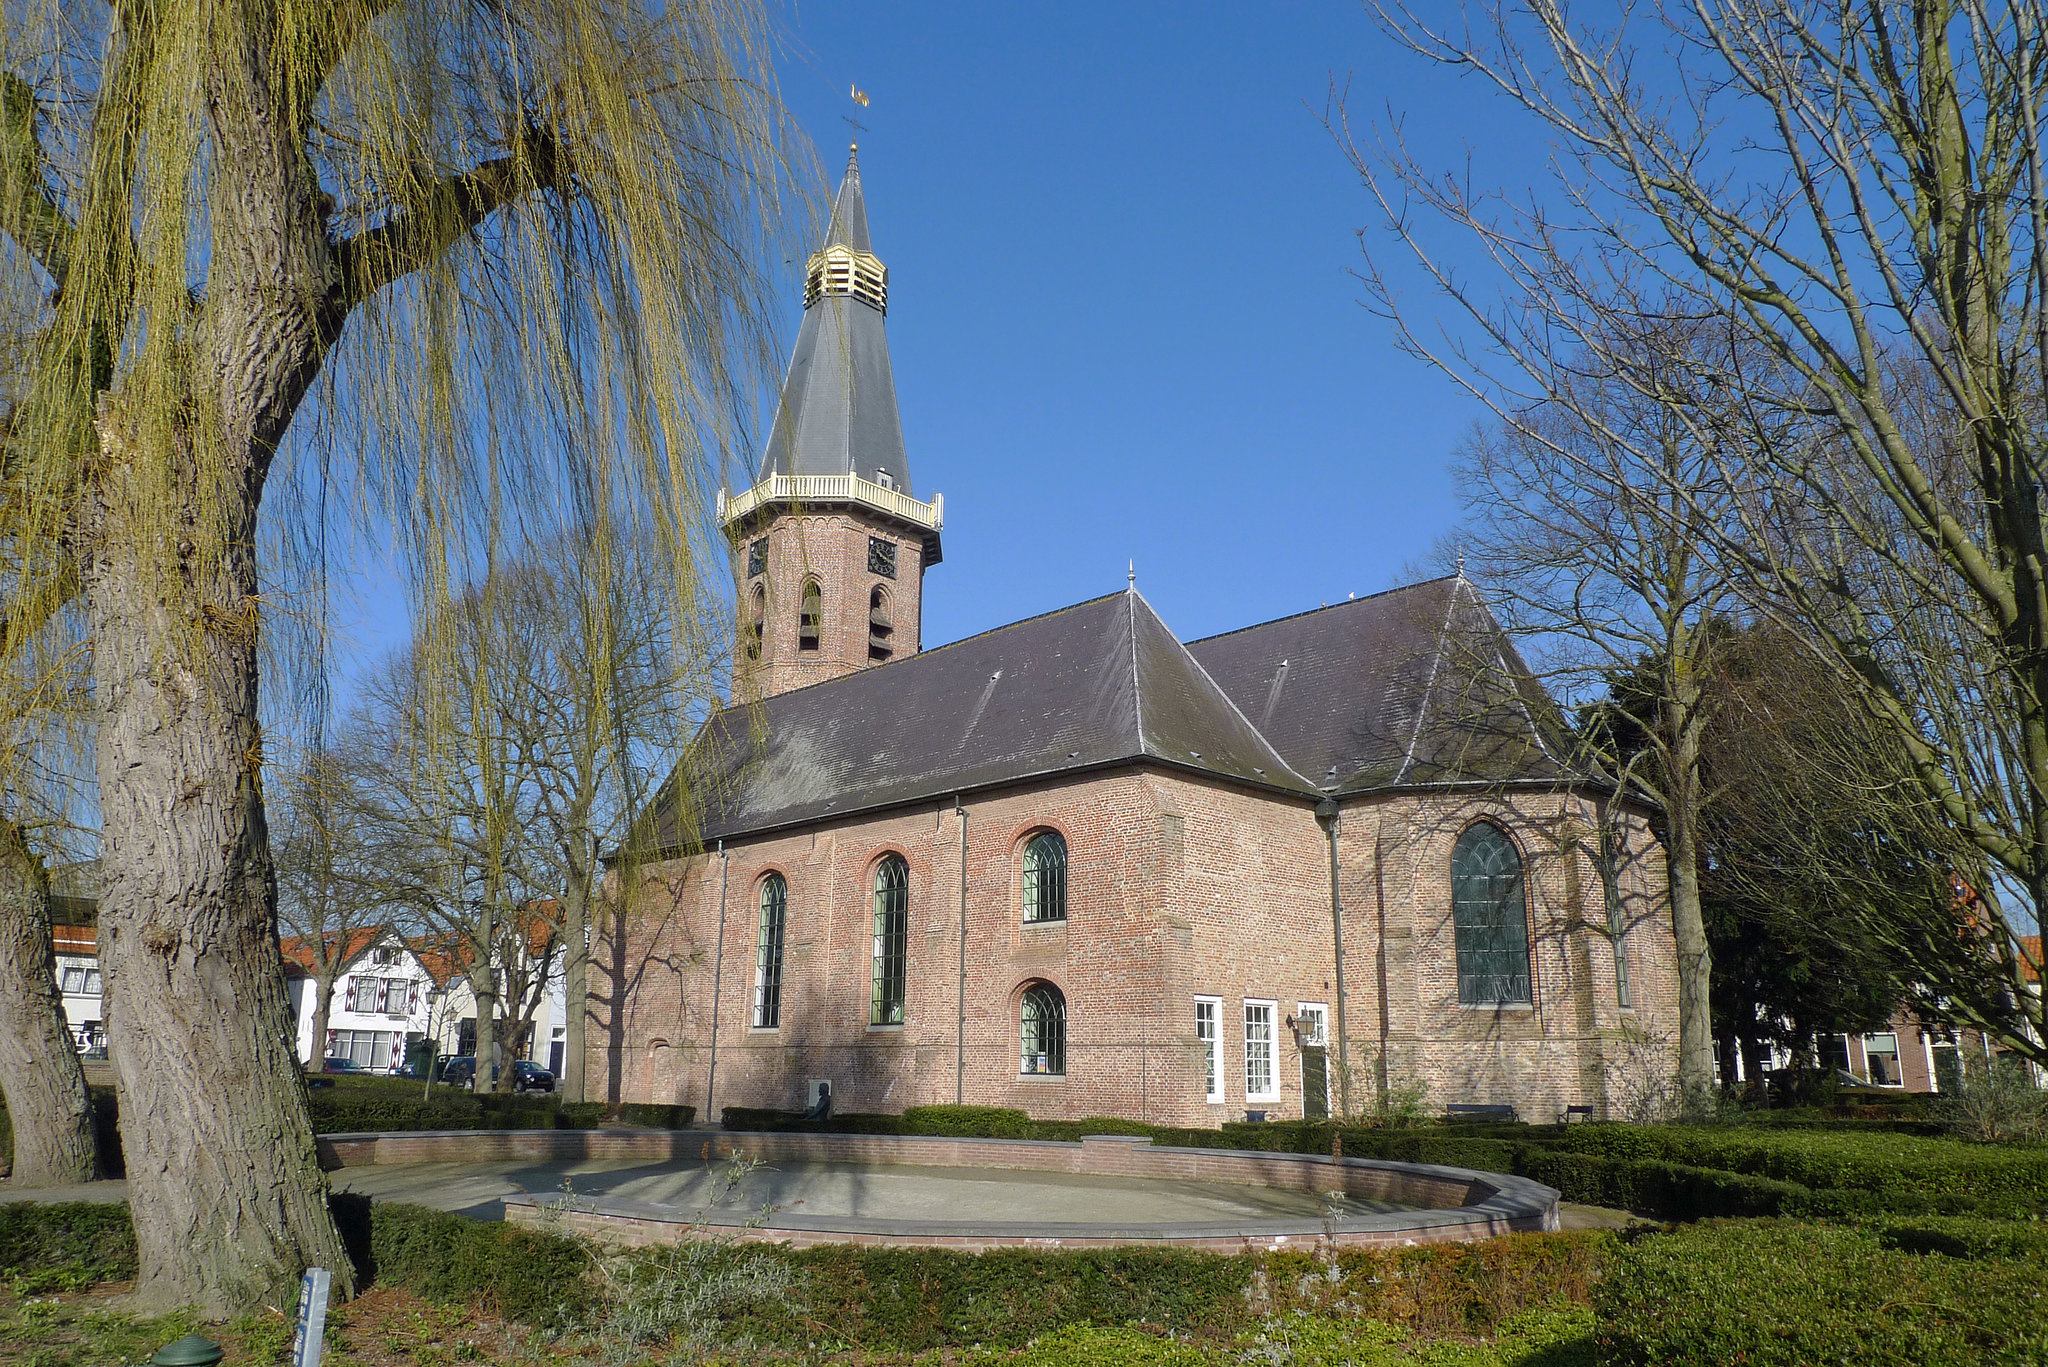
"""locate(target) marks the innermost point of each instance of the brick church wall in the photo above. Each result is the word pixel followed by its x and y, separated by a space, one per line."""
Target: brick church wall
pixel 1178 886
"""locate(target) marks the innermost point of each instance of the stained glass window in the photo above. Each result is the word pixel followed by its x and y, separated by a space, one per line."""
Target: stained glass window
pixel 768 953
pixel 1490 918
pixel 1044 1020
pixel 1045 878
pixel 892 918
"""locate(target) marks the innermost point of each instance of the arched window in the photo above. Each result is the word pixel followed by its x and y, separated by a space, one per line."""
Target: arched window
pixel 757 622
pixel 1042 1017
pixel 1490 917
pixel 880 626
pixel 810 622
pixel 768 953
pixel 1045 878
pixel 892 921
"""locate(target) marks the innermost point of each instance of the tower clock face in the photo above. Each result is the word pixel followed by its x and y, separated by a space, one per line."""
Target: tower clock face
pixel 757 558
pixel 881 557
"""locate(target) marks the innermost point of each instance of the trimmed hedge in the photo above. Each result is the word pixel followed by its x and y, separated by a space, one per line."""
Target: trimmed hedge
pixel 1667 1171
pixel 654 1117
pixel 1782 1292
pixel 523 1274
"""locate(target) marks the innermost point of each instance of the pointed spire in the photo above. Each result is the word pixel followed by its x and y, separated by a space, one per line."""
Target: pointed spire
pixel 838 413
pixel 849 225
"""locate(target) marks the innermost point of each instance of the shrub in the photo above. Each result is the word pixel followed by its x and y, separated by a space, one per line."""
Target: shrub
pixel 984 1122
pixel 1782 1292
pixel 1995 1101
pixel 657 1117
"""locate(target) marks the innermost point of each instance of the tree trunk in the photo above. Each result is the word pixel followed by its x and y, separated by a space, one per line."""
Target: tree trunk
pixel 224 1179
pixel 575 985
pixel 1695 959
pixel 47 1101
pixel 323 1010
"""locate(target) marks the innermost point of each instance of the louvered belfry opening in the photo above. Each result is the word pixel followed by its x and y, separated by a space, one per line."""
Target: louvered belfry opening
pixel 880 627
pixel 810 624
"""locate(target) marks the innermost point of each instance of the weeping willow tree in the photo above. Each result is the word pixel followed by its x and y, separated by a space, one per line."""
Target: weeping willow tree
pixel 503 253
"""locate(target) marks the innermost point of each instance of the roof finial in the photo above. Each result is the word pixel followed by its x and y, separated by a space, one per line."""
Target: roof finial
pixel 1133 575
pixel 1461 562
pixel 860 97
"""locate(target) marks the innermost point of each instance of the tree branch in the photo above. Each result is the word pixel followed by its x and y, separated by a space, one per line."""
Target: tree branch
pixel 29 213
pixel 419 233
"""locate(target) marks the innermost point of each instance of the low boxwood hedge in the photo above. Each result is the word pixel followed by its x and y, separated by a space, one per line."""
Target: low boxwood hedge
pixel 1764 1293
pixel 1668 1171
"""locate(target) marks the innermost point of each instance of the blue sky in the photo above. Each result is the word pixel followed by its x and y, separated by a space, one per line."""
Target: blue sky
pixel 1121 316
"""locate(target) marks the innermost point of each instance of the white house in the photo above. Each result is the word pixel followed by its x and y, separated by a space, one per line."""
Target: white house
pixel 393 992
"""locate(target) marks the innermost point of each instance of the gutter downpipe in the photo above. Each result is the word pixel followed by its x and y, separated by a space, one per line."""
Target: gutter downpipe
pixel 960 1025
pixel 717 981
pixel 1327 813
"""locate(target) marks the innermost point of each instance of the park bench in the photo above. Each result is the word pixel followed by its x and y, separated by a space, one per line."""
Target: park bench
pixel 1583 1114
pixel 1467 1110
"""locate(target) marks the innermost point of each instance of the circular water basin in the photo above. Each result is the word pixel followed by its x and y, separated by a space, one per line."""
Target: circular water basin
pixel 645 1187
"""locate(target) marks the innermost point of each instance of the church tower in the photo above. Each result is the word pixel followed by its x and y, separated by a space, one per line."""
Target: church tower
pixel 830 545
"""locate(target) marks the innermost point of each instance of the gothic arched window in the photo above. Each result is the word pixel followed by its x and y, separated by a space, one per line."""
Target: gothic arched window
pixel 810 622
pixel 768 953
pixel 1490 918
pixel 1042 1017
pixel 881 627
pixel 892 926
pixel 1045 877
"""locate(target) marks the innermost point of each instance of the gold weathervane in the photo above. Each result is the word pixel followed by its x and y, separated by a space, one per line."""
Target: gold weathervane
pixel 860 97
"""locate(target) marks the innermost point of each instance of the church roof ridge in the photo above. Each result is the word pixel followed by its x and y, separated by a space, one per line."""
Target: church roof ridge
pixel 1326 607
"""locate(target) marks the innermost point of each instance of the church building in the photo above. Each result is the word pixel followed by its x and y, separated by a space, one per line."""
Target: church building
pixel 1078 866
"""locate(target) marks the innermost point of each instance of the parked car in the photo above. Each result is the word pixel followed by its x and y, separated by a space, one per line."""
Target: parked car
pixel 459 1071
pixel 341 1063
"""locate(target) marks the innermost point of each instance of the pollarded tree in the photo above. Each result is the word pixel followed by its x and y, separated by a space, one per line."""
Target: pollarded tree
pixel 511 243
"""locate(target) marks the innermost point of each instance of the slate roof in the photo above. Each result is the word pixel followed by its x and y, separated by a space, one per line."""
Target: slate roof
pixel 1415 686
pixel 1367 694
pixel 838 413
pixel 1094 684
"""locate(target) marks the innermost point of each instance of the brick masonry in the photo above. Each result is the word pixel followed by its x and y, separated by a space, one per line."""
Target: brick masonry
pixel 1179 887
pixel 830 548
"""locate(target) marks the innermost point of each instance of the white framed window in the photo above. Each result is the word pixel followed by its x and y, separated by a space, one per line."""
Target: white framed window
pixel 1881 1054
pixel 1314 1020
pixel 1261 1077
pixel 81 981
pixel 369 1048
pixel 1312 1024
pixel 1208 1032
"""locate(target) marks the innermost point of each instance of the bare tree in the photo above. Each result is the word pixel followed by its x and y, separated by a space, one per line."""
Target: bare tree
pixel 1590 556
pixel 1858 190
pixel 462 230
pixel 328 900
